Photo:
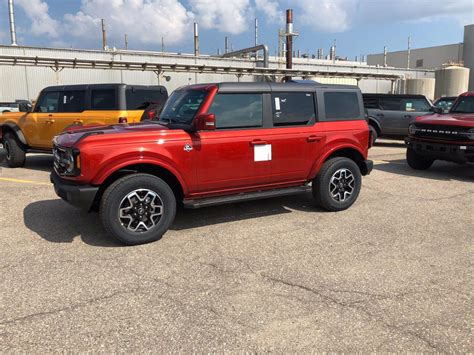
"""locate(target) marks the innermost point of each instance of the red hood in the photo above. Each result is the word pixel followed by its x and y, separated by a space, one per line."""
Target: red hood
pixel 450 119
pixel 69 137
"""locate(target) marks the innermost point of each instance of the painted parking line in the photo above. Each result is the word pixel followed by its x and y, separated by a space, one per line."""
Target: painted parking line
pixel 26 181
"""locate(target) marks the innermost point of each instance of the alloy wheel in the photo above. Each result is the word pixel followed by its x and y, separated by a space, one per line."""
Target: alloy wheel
pixel 140 210
pixel 341 185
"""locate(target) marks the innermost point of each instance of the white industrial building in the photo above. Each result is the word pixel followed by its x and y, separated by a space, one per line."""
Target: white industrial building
pixel 24 71
pixel 432 58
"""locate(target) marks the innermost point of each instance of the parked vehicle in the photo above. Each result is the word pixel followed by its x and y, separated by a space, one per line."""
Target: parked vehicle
pixel 216 144
pixel 443 136
pixel 17 106
pixel 390 115
pixel 60 107
pixel 444 103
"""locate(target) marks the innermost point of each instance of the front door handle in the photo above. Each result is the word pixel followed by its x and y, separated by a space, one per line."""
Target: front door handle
pixel 407 116
pixel 78 121
pixel 257 142
pixel 314 139
pixel 379 115
pixel 50 121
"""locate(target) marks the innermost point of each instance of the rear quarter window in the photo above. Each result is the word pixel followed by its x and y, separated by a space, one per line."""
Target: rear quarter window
pixel 340 106
pixel 140 99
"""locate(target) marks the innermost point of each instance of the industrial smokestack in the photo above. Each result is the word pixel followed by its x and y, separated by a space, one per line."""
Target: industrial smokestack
pixel 12 22
pixel 385 56
pixel 196 40
pixel 408 52
pixel 104 36
pixel 289 39
pixel 226 45
pixel 126 41
pixel 256 31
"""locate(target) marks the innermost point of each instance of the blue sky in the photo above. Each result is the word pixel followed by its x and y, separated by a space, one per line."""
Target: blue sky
pixel 359 26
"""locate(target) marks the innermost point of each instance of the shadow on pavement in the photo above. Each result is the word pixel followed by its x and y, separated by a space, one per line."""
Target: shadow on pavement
pixel 390 144
pixel 57 222
pixel 440 170
pixel 41 162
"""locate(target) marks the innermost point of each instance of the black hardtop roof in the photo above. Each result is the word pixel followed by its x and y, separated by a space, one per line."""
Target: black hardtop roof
pixel 100 86
pixel 270 86
pixel 291 86
pixel 371 95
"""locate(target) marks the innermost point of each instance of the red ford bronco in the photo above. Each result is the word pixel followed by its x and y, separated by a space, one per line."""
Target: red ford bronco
pixel 447 137
pixel 214 144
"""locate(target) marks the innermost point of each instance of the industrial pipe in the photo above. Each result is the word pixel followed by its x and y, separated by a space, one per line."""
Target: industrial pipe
pixel 262 47
pixel 12 22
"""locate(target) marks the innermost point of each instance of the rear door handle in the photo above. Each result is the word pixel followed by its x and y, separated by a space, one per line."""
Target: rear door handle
pixel 257 142
pixel 78 121
pixel 379 115
pixel 314 139
pixel 50 121
pixel 407 116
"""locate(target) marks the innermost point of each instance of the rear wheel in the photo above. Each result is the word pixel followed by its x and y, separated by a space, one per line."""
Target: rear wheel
pixel 138 209
pixel 338 184
pixel 417 161
pixel 16 154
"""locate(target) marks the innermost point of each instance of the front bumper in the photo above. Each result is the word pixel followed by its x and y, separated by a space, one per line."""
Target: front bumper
pixel 457 153
pixel 82 196
pixel 366 167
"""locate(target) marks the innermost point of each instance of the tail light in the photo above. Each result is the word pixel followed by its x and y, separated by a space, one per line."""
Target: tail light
pixel 123 120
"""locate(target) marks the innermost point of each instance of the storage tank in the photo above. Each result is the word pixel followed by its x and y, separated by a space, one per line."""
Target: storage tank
pixel 451 81
pixel 424 86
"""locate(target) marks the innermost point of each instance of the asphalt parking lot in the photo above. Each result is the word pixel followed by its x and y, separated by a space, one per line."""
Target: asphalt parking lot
pixel 392 273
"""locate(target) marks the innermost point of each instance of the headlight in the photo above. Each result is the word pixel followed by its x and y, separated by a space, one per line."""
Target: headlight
pixel 470 134
pixel 411 129
pixel 66 161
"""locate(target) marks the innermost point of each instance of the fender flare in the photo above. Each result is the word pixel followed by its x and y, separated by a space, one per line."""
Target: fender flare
pixel 16 129
pixel 373 121
pixel 322 159
pixel 106 173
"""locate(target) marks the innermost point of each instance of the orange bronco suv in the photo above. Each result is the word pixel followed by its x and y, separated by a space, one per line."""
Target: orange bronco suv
pixel 60 107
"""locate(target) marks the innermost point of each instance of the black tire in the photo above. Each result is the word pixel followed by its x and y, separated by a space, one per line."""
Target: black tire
pixel 16 153
pixel 373 134
pixel 322 184
pixel 115 197
pixel 418 162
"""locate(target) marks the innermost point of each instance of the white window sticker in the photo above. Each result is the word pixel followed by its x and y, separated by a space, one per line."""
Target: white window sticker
pixel 277 103
pixel 263 152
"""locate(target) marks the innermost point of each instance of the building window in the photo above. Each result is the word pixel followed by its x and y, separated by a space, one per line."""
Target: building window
pixel 419 63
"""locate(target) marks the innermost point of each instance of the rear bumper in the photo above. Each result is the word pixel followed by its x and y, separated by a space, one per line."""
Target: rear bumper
pixel 81 196
pixel 454 152
pixel 366 167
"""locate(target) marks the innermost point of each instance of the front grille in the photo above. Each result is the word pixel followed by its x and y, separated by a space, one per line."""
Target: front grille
pixel 448 133
pixel 60 155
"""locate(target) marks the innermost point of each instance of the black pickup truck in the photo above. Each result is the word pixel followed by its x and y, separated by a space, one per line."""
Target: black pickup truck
pixel 389 115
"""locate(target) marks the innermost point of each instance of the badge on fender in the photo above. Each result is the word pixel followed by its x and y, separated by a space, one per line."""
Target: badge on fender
pixel 188 148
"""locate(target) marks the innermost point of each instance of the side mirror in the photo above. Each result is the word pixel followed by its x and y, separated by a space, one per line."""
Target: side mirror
pixel 205 122
pixel 437 110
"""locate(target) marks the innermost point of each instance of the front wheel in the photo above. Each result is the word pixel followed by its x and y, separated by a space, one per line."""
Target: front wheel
pixel 338 184
pixel 138 209
pixel 418 162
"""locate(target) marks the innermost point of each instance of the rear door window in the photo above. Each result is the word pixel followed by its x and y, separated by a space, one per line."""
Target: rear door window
pixel 391 104
pixel 140 99
pixel 48 102
pixel 237 110
pixel 72 101
pixel 341 105
pixel 103 99
pixel 294 108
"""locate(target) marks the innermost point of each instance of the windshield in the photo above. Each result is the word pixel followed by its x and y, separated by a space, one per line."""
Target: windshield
pixel 445 104
pixel 182 106
pixel 465 104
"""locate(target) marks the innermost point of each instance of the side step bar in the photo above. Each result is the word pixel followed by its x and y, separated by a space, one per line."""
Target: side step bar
pixel 248 196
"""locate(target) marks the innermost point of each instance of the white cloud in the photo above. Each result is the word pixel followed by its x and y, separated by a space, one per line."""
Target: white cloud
pixel 145 21
pixel 270 8
pixel 341 15
pixel 230 16
pixel 41 21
